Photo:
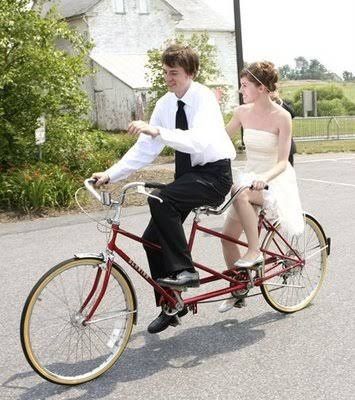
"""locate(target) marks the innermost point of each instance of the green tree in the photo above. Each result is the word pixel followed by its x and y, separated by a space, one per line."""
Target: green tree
pixel 36 77
pixel 316 70
pixel 304 69
pixel 348 76
pixel 302 66
pixel 208 70
pixel 285 71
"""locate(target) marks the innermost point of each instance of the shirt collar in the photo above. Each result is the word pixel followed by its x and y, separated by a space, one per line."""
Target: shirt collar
pixel 187 98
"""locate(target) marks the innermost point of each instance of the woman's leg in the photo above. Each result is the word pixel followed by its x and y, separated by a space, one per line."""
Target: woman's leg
pixel 249 220
pixel 232 227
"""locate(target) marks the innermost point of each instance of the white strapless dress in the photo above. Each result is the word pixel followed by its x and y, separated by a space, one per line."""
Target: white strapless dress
pixel 282 200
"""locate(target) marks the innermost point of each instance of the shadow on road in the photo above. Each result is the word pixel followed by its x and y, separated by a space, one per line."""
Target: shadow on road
pixel 148 354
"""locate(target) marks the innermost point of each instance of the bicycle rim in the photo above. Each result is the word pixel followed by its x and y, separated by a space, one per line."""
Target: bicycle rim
pixel 55 342
pixel 292 289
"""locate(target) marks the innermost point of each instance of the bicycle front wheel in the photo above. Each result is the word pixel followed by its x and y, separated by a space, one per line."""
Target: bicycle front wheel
pixel 56 343
pixel 288 289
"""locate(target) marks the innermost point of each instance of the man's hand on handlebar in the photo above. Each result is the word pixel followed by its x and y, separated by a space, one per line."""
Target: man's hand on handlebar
pixel 102 178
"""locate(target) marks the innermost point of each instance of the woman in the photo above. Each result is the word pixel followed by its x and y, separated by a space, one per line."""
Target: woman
pixel 267 135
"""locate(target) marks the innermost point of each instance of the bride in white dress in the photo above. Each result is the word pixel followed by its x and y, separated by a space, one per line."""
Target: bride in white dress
pixel 267 137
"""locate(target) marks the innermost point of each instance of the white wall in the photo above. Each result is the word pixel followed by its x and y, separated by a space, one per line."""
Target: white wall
pixel 226 61
pixel 130 33
pixel 116 103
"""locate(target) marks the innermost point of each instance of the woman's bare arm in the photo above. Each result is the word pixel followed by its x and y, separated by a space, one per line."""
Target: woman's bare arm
pixel 234 124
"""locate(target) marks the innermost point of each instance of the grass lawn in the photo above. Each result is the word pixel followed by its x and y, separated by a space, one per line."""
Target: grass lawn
pixel 313 147
pixel 321 126
pixel 326 146
pixel 289 88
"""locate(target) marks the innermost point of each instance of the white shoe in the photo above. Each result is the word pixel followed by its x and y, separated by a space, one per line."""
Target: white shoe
pixel 227 305
pixel 250 263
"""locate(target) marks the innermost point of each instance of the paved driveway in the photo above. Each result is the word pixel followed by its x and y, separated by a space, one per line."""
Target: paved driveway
pixel 252 353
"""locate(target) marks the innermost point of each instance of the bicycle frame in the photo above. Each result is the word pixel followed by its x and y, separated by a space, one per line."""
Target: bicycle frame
pixel 227 275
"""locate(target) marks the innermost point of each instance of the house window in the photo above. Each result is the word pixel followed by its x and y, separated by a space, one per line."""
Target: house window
pixel 118 6
pixel 143 6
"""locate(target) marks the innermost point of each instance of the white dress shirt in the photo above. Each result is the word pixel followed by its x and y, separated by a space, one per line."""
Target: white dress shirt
pixel 206 140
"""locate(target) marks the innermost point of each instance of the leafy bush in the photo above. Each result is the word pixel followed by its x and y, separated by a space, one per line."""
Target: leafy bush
pixel 331 100
pixel 329 92
pixel 331 107
pixel 37 187
pixel 349 106
pixel 36 77
pixel 71 143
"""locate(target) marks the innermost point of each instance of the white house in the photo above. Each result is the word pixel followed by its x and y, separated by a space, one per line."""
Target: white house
pixel 123 31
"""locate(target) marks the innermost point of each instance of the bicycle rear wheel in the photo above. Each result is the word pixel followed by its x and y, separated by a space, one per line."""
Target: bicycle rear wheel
pixel 292 289
pixel 56 343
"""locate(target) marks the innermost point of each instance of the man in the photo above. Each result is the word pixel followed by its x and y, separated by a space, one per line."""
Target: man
pixel 188 119
pixel 275 96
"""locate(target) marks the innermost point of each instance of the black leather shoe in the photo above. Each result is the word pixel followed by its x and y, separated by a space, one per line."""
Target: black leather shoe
pixel 181 279
pixel 163 321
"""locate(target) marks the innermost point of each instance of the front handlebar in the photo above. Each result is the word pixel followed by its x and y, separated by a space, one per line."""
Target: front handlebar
pixel 89 186
pixel 105 198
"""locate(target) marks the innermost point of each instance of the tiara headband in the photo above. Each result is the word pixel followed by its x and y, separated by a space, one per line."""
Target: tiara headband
pixel 257 79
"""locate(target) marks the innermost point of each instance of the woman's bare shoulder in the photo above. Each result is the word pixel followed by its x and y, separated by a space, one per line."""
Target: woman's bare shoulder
pixel 242 109
pixel 281 112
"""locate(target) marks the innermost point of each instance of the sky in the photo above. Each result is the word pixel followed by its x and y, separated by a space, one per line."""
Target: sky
pixel 281 30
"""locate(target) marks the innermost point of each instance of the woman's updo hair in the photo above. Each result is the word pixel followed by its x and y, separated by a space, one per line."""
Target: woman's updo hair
pixel 262 73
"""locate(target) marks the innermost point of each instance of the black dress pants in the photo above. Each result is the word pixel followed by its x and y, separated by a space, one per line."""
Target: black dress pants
pixel 202 185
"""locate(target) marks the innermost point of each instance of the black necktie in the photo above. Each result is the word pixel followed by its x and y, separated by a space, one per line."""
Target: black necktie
pixel 182 160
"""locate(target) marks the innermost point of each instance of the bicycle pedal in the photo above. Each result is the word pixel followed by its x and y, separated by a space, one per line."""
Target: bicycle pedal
pixel 240 303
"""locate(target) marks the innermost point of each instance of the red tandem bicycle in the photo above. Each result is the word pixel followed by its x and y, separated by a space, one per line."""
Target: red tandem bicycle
pixel 78 318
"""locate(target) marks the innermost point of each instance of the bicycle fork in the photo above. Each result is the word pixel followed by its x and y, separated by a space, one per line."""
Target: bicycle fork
pixel 107 267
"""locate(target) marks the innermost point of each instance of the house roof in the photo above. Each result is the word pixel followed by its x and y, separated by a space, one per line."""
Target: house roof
pixel 129 68
pixel 197 16
pixel 70 8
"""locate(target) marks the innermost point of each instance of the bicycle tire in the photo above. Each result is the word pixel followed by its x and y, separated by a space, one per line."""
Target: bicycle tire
pixel 86 352
pixel 301 283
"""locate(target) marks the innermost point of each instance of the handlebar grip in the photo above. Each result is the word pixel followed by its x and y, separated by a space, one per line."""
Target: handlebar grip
pixel 89 186
pixel 155 185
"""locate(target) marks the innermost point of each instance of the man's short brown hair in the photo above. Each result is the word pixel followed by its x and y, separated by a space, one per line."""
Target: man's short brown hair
pixel 177 55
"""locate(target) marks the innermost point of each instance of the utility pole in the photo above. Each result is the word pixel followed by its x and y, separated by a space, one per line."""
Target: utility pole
pixel 239 49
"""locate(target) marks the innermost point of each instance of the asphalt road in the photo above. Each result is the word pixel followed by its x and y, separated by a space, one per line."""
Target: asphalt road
pixel 251 353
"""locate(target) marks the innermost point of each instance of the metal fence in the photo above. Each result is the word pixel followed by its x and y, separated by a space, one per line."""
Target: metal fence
pixel 324 128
